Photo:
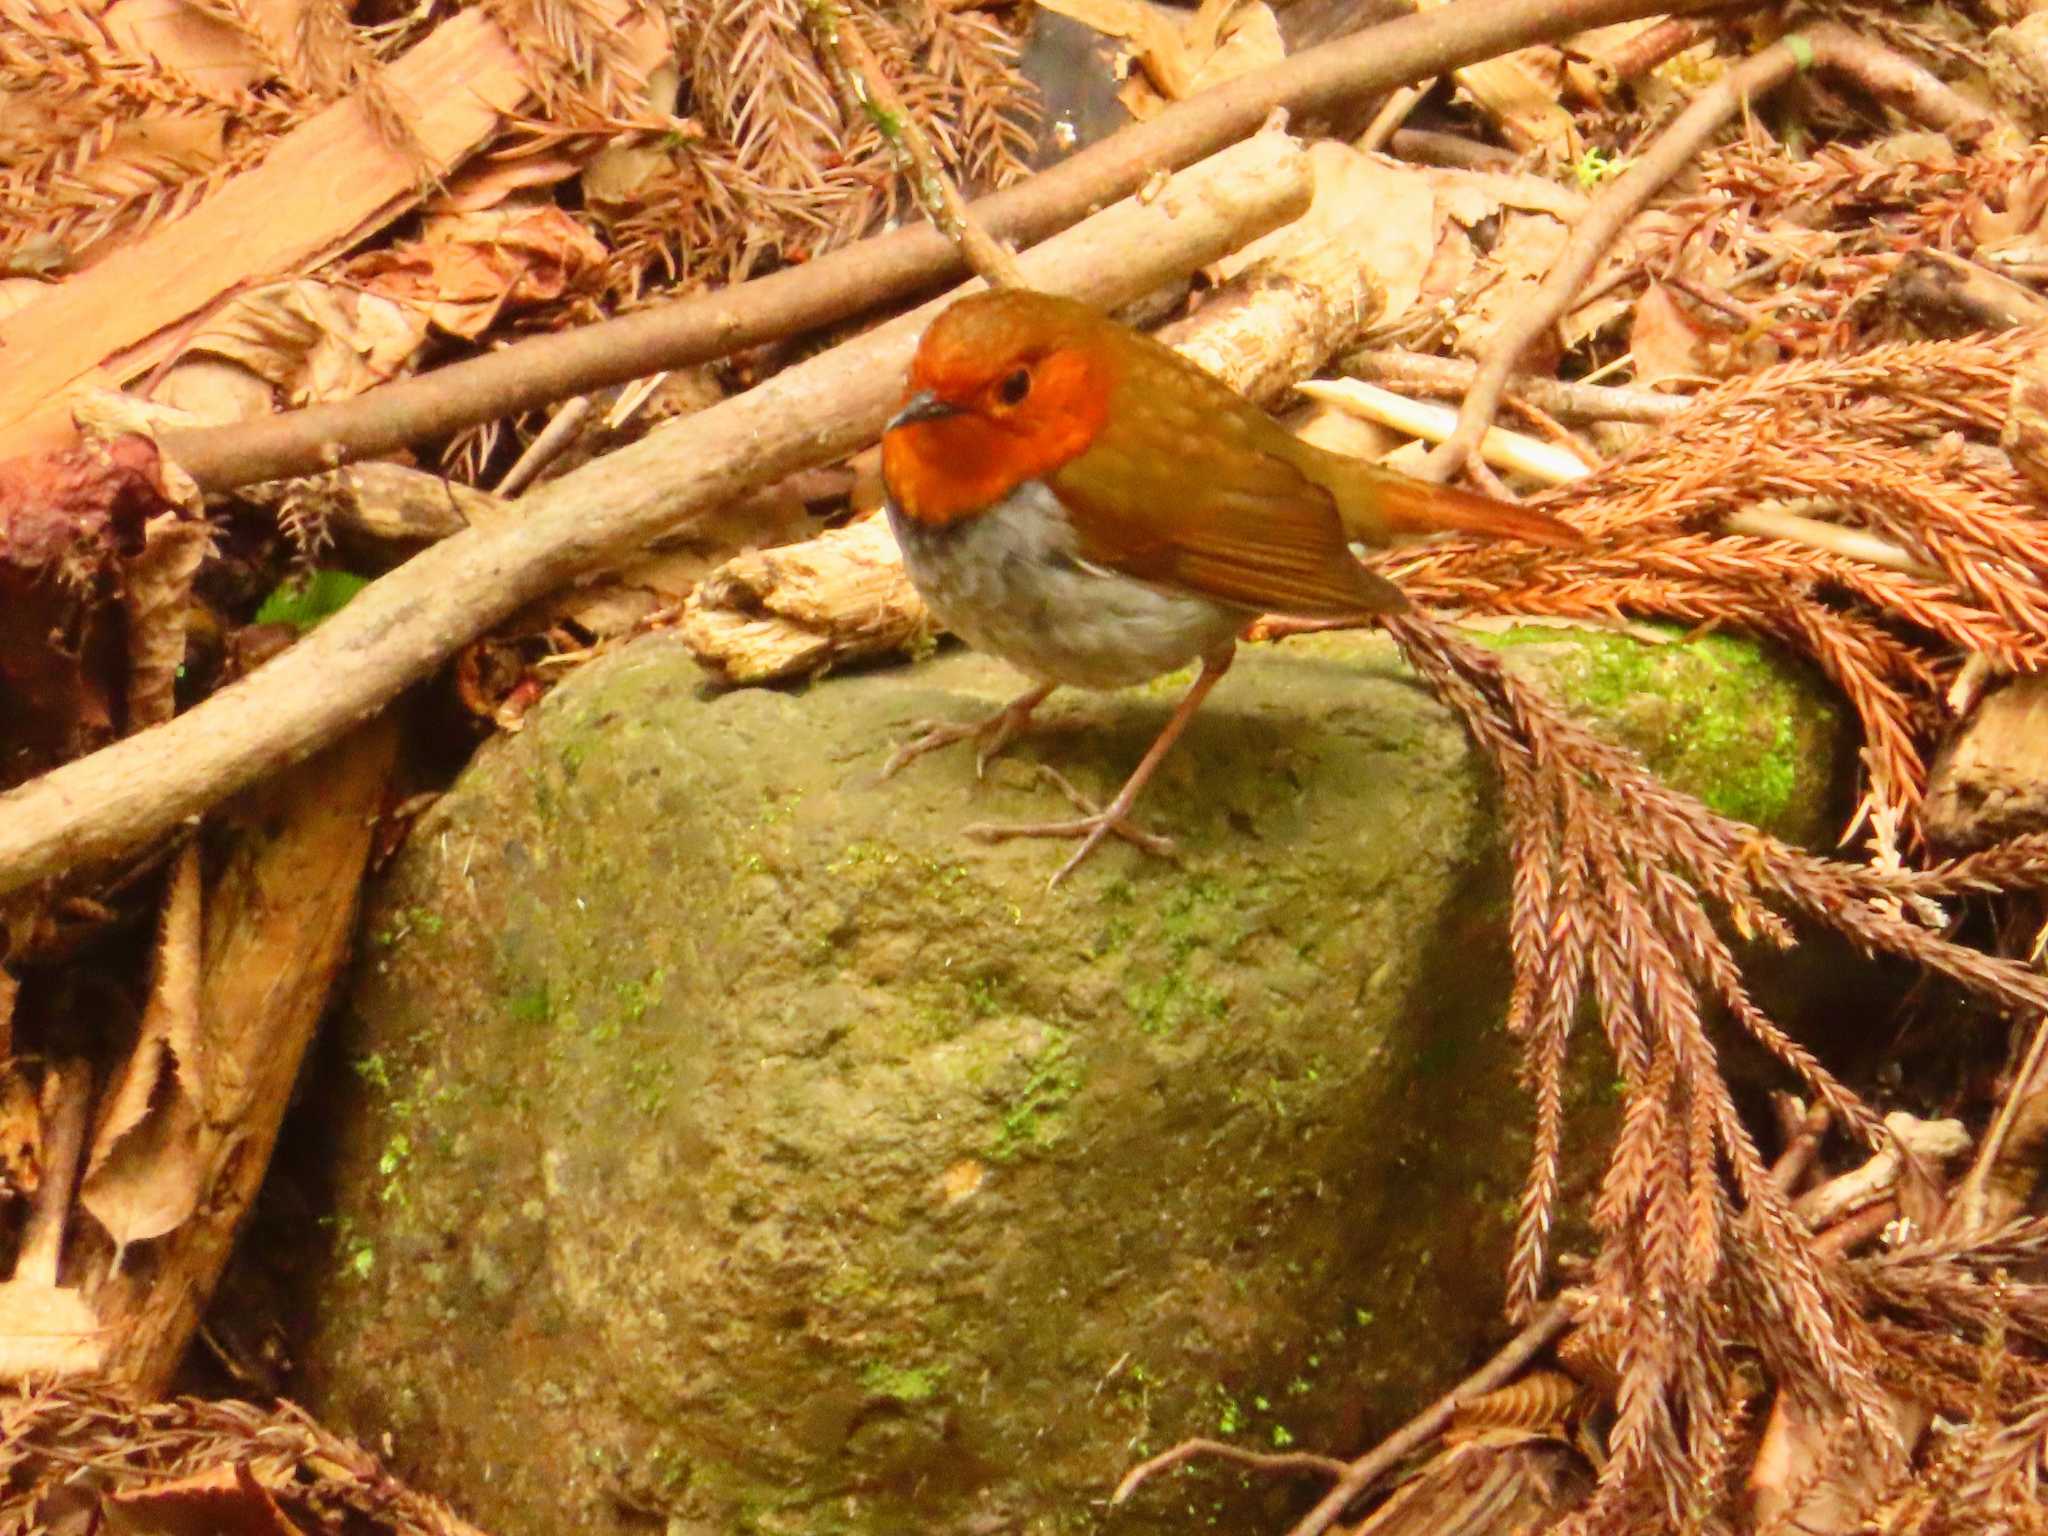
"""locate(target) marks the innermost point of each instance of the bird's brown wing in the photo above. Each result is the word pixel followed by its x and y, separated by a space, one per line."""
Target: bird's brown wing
pixel 1234 522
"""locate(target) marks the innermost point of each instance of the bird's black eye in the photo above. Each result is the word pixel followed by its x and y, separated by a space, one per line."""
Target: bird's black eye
pixel 1015 387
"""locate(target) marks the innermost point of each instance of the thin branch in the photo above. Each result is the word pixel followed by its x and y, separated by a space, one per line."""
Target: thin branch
pixel 1188 1450
pixel 1542 1331
pixel 891 267
pixel 1827 46
pixel 1393 113
pixel 1850 543
pixel 1597 230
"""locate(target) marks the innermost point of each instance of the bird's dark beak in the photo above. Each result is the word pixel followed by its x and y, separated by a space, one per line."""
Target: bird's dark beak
pixel 922 406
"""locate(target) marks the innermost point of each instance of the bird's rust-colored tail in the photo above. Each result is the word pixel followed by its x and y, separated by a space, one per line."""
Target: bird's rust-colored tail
pixel 1396 506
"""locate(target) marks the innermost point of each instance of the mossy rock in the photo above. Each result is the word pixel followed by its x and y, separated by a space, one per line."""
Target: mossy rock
pixel 731 1142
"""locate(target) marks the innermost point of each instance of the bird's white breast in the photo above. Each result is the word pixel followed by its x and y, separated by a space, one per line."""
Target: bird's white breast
pixel 1010 581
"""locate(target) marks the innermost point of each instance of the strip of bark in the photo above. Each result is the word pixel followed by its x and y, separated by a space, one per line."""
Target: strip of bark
pixel 891 267
pixel 410 621
pixel 279 920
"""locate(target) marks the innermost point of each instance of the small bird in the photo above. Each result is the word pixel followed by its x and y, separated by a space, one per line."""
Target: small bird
pixel 1084 502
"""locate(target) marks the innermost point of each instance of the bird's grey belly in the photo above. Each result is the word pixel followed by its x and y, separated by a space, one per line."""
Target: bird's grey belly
pixel 1009 582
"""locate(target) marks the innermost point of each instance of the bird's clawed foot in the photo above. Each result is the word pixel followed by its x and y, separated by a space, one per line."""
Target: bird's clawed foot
pixel 1000 728
pixel 1091 827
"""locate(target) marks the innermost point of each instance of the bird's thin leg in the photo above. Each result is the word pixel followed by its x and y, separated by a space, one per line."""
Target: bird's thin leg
pixel 1000 728
pixel 1112 820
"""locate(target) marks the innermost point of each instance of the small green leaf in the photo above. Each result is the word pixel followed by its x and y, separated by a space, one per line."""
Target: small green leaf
pixel 303 601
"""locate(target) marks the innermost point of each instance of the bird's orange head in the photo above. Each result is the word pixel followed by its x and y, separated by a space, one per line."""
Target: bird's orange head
pixel 1006 387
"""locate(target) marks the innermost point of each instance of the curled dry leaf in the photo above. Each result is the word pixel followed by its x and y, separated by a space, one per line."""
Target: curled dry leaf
pixel 467 268
pixel 1169 60
pixel 158 596
pixel 1508 275
pixel 150 1149
pixel 205 51
pixel 1664 341
pixel 67 521
pixel 314 340
pixel 221 1501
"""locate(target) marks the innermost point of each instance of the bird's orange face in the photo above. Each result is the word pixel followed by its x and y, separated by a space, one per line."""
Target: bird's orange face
pixel 1004 389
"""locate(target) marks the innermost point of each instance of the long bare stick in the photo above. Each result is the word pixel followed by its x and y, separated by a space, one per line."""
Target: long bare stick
pixel 1827 46
pixel 411 620
pixel 1596 231
pixel 896 266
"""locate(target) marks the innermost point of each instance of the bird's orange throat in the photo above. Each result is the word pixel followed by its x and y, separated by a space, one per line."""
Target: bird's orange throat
pixel 943 470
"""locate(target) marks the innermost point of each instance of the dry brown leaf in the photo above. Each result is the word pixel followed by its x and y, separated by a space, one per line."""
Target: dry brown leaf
pixel 223 1501
pixel 1520 92
pixel 314 340
pixel 1168 60
pixel 1220 42
pixel 1451 266
pixel 151 1148
pixel 158 595
pixel 1801 1480
pixel 45 1331
pixel 1509 275
pixel 466 268
pixel 279 916
pixel 65 518
pixel 204 50
pixel 1663 339
pixel 213 391
pixel 491 179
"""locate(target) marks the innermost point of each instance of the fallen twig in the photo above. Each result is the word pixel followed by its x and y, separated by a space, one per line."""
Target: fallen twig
pixel 1826 46
pixel 411 620
pixel 1593 234
pixel 1543 1330
pixel 1510 450
pixel 847 282
pixel 1419 373
pixel 1355 1477
pixel 1797 1158
pixel 1189 1450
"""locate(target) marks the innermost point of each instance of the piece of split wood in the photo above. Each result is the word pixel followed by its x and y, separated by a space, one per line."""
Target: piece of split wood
pixel 279 918
pixel 1418 418
pixel 323 187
